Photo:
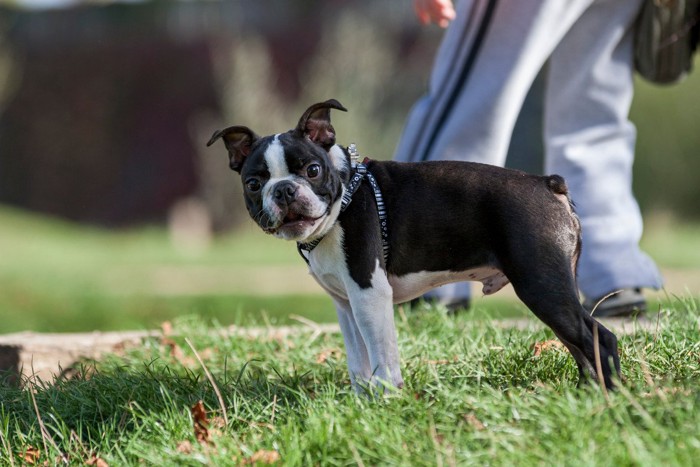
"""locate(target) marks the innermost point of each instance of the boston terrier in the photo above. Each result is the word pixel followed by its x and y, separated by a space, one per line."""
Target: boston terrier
pixel 376 233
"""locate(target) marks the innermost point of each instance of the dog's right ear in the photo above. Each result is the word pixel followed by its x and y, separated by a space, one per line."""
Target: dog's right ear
pixel 315 123
pixel 238 141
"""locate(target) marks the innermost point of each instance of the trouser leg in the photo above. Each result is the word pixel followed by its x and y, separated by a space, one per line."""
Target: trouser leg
pixel 590 141
pixel 488 59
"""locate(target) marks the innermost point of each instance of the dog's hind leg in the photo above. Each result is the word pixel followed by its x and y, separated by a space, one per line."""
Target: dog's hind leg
pixel 551 295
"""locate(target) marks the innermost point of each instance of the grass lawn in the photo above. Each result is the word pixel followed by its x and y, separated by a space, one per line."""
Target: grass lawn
pixel 56 276
pixel 474 395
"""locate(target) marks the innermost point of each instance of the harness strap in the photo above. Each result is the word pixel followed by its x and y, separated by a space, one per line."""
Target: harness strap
pixel 361 173
pixel 381 211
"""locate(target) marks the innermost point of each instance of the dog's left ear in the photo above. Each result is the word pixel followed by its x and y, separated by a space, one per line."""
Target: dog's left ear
pixel 316 123
pixel 238 141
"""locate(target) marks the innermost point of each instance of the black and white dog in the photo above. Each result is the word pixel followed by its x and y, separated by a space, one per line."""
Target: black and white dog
pixel 379 233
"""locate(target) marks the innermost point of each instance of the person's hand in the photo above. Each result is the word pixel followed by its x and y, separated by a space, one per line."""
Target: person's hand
pixel 440 12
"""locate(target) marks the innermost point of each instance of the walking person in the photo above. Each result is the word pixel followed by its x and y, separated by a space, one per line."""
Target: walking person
pixel 490 55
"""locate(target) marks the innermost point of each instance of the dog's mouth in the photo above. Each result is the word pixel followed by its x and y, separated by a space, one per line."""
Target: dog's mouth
pixel 293 221
pixel 293 217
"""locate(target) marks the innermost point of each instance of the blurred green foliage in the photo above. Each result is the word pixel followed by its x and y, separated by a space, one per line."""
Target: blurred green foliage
pixel 668 146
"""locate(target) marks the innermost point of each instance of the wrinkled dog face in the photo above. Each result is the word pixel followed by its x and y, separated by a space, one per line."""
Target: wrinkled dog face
pixel 292 181
pixel 290 187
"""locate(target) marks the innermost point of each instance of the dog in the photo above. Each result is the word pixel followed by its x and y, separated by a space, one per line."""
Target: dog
pixel 379 233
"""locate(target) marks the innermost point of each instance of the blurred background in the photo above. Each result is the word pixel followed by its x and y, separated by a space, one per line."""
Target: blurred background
pixel 114 214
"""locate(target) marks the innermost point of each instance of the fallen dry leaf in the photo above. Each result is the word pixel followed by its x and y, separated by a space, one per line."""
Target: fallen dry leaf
pixel 175 350
pixel 97 461
pixel 31 455
pixel 328 353
pixel 217 422
pixel 177 353
pixel 543 346
pixel 184 447
pixel 200 422
pixel 216 427
pixel 442 361
pixel 263 457
pixel 473 421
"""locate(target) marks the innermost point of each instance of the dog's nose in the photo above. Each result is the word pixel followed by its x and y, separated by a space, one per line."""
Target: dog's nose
pixel 285 191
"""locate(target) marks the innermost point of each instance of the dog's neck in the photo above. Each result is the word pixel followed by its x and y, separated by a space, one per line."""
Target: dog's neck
pixel 357 175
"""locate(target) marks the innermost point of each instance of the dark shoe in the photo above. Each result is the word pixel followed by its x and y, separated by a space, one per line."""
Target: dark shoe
pixel 626 302
pixel 459 305
pixel 452 307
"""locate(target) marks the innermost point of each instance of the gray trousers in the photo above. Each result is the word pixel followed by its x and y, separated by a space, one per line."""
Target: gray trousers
pixel 488 59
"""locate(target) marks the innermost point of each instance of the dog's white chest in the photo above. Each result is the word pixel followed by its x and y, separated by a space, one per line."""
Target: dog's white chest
pixel 327 264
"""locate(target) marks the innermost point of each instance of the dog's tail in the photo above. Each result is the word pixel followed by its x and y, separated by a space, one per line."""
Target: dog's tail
pixel 557 185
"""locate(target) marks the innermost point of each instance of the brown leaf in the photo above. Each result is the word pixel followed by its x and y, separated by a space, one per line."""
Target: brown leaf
pixel 473 421
pixel 200 422
pixel 184 447
pixel 216 427
pixel 175 350
pixel 263 457
pixel 218 422
pixel 443 361
pixel 543 346
pixel 177 353
pixel 328 353
pixel 97 461
pixel 31 455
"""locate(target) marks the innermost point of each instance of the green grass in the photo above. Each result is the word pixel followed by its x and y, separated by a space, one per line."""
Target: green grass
pixel 58 276
pixel 673 245
pixel 474 395
pixel 88 312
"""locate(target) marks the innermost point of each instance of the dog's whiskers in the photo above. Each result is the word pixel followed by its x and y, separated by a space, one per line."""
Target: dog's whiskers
pixel 264 220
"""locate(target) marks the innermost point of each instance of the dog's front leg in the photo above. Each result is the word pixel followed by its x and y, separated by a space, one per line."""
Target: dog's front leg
pixel 373 312
pixel 358 358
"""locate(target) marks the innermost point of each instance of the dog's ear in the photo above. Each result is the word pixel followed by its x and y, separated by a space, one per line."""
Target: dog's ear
pixel 238 141
pixel 316 123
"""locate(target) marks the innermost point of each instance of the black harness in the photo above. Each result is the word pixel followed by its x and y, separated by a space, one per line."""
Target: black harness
pixel 360 173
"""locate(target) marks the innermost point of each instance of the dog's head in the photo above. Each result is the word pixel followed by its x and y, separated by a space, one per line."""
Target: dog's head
pixel 293 181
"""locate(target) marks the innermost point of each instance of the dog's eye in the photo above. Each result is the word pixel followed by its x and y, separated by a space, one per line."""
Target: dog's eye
pixel 253 184
pixel 313 171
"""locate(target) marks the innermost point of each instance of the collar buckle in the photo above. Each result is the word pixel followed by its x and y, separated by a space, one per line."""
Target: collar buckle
pixel 354 155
